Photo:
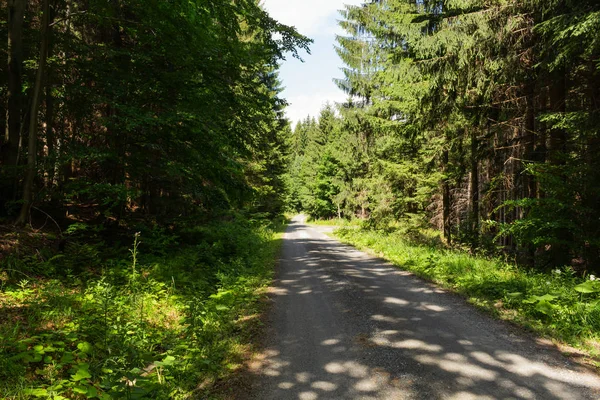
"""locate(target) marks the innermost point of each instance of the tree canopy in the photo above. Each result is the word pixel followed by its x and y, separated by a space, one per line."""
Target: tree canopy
pixel 133 107
pixel 477 117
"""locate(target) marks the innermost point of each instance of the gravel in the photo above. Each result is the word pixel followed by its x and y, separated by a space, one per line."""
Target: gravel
pixel 346 325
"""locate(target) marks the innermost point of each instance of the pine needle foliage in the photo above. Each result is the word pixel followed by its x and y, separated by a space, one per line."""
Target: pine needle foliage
pixel 480 117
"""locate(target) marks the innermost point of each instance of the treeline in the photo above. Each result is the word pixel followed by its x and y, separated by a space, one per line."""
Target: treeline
pixel 478 117
pixel 142 144
pixel 156 109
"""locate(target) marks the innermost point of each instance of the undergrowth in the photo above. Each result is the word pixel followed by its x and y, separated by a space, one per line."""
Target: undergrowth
pixel 338 222
pixel 165 320
pixel 559 305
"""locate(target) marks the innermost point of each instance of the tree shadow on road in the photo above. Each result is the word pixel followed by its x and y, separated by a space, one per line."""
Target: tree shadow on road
pixel 348 326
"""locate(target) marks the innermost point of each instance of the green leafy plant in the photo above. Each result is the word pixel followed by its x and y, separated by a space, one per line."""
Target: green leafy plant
pixel 543 303
pixel 143 325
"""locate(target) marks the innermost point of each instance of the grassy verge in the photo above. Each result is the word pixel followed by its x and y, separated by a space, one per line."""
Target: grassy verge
pixel 557 305
pixel 337 222
pixel 327 222
pixel 167 321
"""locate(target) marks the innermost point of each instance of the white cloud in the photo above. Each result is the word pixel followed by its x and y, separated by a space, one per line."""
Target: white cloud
pixel 308 16
pixel 309 86
pixel 304 105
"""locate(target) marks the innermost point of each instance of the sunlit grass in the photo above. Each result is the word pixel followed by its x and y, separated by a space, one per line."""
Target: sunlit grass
pixel 171 328
pixel 338 222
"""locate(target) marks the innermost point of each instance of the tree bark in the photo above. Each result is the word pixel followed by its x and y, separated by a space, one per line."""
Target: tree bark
pixel 561 252
pixel 9 154
pixel 529 136
pixel 33 117
pixel 16 11
pixel 591 200
pixel 558 136
pixel 50 134
pixel 529 140
pixel 49 167
pixel 474 198
pixel 446 197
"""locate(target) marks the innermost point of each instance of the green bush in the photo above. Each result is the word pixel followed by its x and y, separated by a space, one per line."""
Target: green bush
pixel 153 324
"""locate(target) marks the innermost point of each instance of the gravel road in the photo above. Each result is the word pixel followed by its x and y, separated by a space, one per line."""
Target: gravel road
pixel 346 325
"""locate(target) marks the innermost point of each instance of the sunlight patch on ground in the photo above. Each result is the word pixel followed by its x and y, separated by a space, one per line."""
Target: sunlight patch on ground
pixel 308 395
pixel 286 385
pixel 393 300
pixel 411 344
pixel 324 386
pixel 459 368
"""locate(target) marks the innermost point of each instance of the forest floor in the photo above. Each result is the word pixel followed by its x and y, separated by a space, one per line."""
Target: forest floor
pixel 347 325
pixel 162 314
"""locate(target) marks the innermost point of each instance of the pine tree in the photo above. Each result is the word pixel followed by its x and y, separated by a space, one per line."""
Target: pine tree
pixel 479 116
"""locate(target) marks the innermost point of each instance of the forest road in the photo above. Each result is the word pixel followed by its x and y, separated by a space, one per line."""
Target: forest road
pixel 346 325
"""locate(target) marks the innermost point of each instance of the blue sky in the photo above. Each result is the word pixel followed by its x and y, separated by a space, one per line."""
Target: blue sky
pixel 309 85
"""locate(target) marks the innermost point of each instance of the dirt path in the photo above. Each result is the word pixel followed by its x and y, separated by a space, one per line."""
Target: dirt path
pixel 345 325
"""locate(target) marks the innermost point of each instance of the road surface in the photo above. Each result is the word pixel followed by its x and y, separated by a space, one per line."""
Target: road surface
pixel 346 325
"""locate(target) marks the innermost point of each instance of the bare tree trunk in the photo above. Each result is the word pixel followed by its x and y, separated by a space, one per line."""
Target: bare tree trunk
pixel 33 117
pixel 529 136
pixel 16 11
pixel 528 154
pixel 446 202
pixel 50 134
pixel 561 252
pixel 590 199
pixel 558 136
pixel 9 150
pixel 541 146
pixel 474 190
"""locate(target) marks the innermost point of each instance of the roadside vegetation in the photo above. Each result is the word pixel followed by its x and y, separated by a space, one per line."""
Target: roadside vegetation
pixel 560 305
pixel 140 193
pixel 338 222
pixel 168 318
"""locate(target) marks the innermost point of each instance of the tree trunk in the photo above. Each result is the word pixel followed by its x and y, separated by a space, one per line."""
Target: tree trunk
pixel 33 117
pixel 529 136
pixel 558 136
pixel 16 11
pixel 541 146
pixel 561 252
pixel 474 195
pixel 9 154
pixel 50 135
pixel 529 139
pixel 446 202
pixel 49 167
pixel 591 200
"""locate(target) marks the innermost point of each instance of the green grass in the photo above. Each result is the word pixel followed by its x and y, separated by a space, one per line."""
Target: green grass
pixel 557 305
pixel 163 323
pixel 340 222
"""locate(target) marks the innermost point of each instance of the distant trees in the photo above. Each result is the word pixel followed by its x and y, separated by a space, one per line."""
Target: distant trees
pixel 161 108
pixel 481 117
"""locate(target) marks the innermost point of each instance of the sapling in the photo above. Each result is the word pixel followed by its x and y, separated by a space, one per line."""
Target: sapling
pixel 134 253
